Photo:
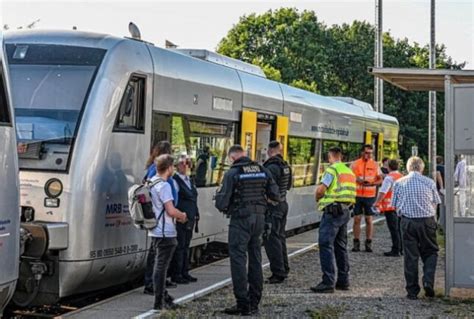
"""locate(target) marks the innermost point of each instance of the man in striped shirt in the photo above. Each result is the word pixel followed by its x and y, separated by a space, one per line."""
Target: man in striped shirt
pixel 415 196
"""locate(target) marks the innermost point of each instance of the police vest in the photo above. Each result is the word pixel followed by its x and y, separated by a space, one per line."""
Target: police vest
pixel 342 188
pixel 386 203
pixel 284 181
pixel 250 190
pixel 368 171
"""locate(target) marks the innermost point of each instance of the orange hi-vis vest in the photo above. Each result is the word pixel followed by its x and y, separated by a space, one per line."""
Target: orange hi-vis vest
pixel 368 171
pixel 386 202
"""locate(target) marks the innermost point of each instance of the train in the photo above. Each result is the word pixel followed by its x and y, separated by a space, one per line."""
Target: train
pixel 9 187
pixel 88 108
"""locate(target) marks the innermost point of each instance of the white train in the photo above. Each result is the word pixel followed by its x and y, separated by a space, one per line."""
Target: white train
pixel 9 202
pixel 88 108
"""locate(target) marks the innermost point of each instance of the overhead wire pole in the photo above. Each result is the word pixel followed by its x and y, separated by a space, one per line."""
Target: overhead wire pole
pixel 432 97
pixel 378 56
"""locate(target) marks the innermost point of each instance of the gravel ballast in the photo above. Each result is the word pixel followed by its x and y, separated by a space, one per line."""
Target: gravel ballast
pixel 377 291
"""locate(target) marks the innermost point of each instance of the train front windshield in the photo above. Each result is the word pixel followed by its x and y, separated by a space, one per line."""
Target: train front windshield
pixel 50 85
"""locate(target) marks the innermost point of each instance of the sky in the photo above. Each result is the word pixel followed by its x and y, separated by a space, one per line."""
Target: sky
pixel 202 24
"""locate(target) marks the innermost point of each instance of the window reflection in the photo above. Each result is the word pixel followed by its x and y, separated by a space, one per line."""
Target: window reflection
pixel 390 149
pixel 463 186
pixel 350 152
pixel 301 157
pixel 206 143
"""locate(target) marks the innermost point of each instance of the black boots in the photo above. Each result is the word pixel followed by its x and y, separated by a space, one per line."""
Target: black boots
pixel 356 245
pixel 368 245
pixel 322 288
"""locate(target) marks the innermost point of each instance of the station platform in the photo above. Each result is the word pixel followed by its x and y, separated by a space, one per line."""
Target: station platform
pixel 135 304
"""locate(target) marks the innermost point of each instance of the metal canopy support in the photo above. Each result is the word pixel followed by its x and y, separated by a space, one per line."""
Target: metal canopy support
pixel 378 56
pixel 432 152
pixel 449 183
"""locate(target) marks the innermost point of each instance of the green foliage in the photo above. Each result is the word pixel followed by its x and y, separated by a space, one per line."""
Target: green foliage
pixel 312 87
pixel 295 48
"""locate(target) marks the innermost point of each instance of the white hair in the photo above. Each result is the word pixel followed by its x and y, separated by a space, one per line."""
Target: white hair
pixel 415 164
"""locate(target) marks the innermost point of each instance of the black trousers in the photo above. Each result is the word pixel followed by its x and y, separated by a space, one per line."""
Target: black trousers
pixel 275 246
pixel 245 239
pixel 150 265
pixel 419 240
pixel 164 249
pixel 180 264
pixel 393 224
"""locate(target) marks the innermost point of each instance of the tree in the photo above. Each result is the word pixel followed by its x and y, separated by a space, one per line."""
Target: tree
pixel 296 48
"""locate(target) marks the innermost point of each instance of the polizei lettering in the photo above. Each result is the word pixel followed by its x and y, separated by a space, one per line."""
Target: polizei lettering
pixel 251 169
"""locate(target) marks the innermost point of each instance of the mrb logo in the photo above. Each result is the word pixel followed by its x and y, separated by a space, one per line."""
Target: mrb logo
pixel 114 209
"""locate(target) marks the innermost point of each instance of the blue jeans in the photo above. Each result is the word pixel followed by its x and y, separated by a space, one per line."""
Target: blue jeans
pixel 333 248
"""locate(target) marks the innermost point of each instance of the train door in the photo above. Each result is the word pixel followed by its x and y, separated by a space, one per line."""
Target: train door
pixel 376 140
pixel 258 129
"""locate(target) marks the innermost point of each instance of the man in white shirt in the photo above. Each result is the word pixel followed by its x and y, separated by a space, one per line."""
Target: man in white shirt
pixel 164 234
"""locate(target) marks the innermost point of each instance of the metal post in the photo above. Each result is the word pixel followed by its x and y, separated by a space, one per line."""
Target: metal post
pixel 378 56
pixel 449 183
pixel 432 98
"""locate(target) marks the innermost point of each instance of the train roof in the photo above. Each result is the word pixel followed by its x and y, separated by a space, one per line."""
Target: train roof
pixel 250 77
pixel 69 37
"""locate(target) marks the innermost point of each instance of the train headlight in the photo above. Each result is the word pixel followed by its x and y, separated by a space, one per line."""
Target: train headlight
pixel 53 188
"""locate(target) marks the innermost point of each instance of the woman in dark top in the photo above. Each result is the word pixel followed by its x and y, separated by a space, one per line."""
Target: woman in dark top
pixel 187 194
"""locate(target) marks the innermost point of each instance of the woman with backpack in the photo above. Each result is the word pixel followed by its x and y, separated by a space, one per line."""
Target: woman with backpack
pixel 164 234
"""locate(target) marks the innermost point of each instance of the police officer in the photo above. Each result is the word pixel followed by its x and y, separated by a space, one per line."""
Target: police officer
pixel 275 243
pixel 243 196
pixel 335 195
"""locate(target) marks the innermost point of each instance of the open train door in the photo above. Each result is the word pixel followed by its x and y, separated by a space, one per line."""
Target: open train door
pixel 380 147
pixel 376 140
pixel 248 131
pixel 282 126
pixel 258 129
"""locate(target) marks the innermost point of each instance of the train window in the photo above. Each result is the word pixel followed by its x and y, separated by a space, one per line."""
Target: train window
pixel 390 149
pixel 350 152
pixel 131 115
pixel 206 143
pixel 4 113
pixel 301 157
pixel 160 127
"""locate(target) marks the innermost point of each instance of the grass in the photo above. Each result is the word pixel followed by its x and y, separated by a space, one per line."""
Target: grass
pixel 326 312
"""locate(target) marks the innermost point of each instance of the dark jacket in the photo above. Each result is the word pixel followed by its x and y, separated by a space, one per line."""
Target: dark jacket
pixel 187 202
pixel 227 199
pixel 282 175
pixel 280 172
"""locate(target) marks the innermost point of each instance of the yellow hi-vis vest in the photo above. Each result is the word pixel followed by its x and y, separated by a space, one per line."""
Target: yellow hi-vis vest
pixel 342 188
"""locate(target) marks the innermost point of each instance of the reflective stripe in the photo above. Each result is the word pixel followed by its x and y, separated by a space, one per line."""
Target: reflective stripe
pixel 367 170
pixel 343 187
pixel 386 203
